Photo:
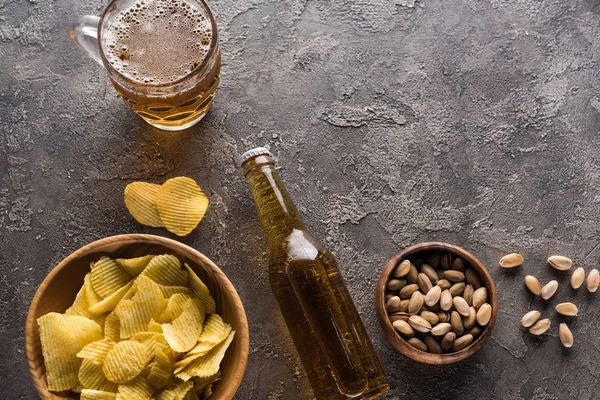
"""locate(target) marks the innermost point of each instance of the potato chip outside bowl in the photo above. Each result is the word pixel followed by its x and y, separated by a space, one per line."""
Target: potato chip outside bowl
pixel 57 292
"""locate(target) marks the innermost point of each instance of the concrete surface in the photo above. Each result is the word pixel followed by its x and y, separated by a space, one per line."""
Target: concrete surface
pixel 395 121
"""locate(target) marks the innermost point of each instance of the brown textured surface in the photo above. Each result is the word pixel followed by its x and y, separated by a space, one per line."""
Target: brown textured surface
pixel 57 292
pixel 473 122
pixel 421 250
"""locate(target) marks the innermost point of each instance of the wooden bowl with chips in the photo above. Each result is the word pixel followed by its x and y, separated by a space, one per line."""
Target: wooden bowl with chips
pixel 58 291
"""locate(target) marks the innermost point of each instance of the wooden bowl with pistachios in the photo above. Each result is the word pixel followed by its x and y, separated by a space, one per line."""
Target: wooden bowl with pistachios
pixel 436 303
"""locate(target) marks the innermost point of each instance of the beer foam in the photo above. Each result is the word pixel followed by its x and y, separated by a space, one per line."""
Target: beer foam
pixel 157 41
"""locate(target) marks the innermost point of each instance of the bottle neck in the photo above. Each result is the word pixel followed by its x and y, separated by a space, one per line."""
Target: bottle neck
pixel 276 210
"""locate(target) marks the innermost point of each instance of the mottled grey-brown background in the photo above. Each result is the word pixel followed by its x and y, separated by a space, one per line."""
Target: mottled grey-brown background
pixel 394 121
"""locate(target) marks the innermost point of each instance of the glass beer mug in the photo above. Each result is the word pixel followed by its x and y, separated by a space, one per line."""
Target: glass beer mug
pixel 162 56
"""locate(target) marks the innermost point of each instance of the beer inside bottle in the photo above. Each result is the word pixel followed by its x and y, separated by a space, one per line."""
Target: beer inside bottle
pixel 332 343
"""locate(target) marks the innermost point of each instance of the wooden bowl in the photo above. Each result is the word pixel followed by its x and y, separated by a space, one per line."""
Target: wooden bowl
pixel 58 290
pixel 421 250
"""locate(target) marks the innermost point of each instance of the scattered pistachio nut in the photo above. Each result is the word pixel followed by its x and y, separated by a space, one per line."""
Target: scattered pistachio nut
pixel 577 278
pixel 396 284
pixel 457 289
pixel 433 260
pixel 533 285
pixel 446 300
pixel 484 314
pixel 444 284
pixel 433 296
pixel 454 276
pixel 530 318
pixel 417 344
pixel 393 305
pixel 540 327
pixel 549 289
pixel 402 269
pixel 430 317
pixel 441 329
pixel 447 341
pixel 408 290
pixel 424 283
pixel 566 337
pixel 473 279
pixel 470 320
pixel 461 306
pixel 430 272
pixel 560 263
pixel 446 261
pixel 593 280
pixel 458 264
pixel 462 342
pixel 480 296
pixel 468 294
pixel 432 345
pixel 404 328
pixel 511 260
pixel 412 275
pixel 419 324
pixel 456 323
pixel 568 309
pixel 416 303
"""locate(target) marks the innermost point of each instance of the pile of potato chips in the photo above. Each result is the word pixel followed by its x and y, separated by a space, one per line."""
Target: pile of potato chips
pixel 178 204
pixel 139 329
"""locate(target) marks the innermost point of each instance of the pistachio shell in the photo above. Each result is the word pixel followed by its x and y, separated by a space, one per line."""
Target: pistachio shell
pixel 456 323
pixel 457 289
pixel 444 284
pixel 454 276
pixel 593 280
pixel 480 296
pixel 419 324
pixel 402 269
pixel 566 337
pixel 469 321
pixel 568 309
pixel 416 303
pixel 433 296
pixel 424 283
pixel 404 328
pixel 461 306
pixel 430 317
pixel 433 260
pixel 577 278
pixel 484 314
pixel 417 344
pixel 447 341
pixel 412 275
pixel 511 260
pixel 458 264
pixel 430 272
pixel 462 342
pixel 561 263
pixel 446 261
pixel 408 290
pixel 530 318
pixel 432 346
pixel 441 329
pixel 533 285
pixel 446 300
pixel 473 279
pixel 396 284
pixel 549 289
pixel 540 327
pixel 393 305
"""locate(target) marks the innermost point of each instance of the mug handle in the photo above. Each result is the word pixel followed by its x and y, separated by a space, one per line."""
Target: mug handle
pixel 84 32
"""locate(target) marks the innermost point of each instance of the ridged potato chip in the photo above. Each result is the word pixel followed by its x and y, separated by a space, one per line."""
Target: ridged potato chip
pixel 81 304
pixel 174 307
pixel 166 270
pixel 92 298
pixel 206 365
pixel 107 277
pixel 140 200
pixel 154 326
pixel 137 389
pixel 125 361
pixel 91 376
pixel 169 291
pixel 201 383
pixel 183 333
pixel 162 370
pixel 200 290
pixel 88 394
pixel 159 330
pixel 96 351
pixel 147 304
pixel 176 393
pixel 215 330
pixel 109 303
pixel 62 337
pixel 112 327
pixel 181 205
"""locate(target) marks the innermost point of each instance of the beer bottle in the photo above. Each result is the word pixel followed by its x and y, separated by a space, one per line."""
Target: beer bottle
pixel 332 342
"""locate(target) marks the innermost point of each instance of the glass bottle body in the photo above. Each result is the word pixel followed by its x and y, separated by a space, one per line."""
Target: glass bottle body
pixel 332 343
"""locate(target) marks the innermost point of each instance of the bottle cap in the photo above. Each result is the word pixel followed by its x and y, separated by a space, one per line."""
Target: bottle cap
pixel 259 151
